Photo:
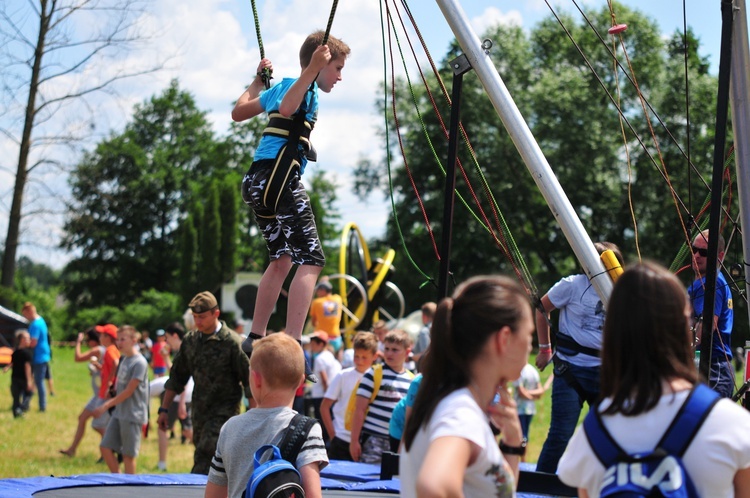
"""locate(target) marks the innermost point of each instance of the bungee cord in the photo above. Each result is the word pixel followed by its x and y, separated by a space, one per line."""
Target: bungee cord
pixel 502 238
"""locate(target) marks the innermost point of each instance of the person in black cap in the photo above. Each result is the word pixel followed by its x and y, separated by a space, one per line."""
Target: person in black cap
pixel 212 355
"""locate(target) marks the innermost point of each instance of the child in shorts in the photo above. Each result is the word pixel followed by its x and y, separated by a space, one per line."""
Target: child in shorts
pixel 130 404
pixel 290 232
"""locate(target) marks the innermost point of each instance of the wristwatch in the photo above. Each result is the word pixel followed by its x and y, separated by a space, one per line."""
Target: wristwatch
pixel 163 410
pixel 514 450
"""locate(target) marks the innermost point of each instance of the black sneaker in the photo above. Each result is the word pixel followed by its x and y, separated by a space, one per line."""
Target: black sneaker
pixel 309 376
pixel 247 344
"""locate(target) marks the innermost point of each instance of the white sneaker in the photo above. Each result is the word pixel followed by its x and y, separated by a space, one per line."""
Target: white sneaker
pixel 162 466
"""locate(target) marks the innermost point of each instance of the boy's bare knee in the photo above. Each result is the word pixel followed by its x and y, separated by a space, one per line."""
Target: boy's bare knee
pixel 282 264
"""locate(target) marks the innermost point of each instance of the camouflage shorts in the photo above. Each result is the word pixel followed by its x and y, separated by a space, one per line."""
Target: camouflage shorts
pixel 373 447
pixel 293 230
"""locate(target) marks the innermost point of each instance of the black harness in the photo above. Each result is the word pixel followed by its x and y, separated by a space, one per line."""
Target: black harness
pixel 296 129
pixel 568 345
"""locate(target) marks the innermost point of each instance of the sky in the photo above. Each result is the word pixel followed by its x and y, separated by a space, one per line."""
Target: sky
pixel 215 54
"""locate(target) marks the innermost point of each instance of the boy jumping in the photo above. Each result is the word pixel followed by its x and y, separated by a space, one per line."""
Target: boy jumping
pixel 287 225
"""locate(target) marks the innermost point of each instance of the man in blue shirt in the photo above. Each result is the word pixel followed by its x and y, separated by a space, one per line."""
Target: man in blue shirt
pixel 40 343
pixel 721 374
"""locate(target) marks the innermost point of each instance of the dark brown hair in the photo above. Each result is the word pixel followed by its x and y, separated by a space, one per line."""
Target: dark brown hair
pixel 463 324
pixel 646 339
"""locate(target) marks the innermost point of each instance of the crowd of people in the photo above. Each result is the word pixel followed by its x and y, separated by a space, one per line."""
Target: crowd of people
pixel 631 361
pixel 473 380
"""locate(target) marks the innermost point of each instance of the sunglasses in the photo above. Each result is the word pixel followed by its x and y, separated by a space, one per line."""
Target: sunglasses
pixel 700 250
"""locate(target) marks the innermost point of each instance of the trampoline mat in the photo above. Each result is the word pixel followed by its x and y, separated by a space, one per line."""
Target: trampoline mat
pixel 172 491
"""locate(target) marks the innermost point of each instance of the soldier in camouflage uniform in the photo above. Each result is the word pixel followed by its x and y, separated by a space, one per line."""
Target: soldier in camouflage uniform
pixel 212 355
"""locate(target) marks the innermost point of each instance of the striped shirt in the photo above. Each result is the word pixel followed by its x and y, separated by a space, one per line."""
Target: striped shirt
pixel 393 387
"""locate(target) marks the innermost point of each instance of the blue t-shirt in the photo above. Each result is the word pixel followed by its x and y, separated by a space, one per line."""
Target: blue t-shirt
pixel 270 101
pixel 723 308
pixel 398 420
pixel 38 332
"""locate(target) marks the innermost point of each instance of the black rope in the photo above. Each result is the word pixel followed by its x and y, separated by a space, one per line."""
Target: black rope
pixel 330 21
pixel 265 74
pixel 653 161
pixel 632 82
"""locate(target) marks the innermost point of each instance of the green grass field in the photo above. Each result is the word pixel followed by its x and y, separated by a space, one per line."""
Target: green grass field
pixel 30 445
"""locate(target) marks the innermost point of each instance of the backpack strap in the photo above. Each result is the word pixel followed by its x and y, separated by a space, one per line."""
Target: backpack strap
pixel 295 436
pixel 604 446
pixel 377 379
pixel 676 439
pixel 689 420
pixel 261 451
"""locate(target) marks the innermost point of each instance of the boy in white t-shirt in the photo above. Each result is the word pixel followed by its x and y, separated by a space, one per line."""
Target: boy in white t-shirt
pixel 325 366
pixel 339 391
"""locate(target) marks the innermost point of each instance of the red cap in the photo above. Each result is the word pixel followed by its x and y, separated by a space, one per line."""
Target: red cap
pixel 109 329
pixel 319 335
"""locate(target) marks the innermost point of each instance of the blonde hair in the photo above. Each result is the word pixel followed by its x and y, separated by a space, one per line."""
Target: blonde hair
pixel 398 336
pixel 131 331
pixel 365 341
pixel 279 360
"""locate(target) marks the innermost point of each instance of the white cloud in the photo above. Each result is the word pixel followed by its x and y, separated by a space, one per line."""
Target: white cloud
pixel 492 16
pixel 215 54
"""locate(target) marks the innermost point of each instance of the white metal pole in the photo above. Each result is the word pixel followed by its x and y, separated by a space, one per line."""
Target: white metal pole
pixel 527 146
pixel 738 97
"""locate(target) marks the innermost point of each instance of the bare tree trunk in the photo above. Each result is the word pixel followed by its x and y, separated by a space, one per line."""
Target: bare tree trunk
pixel 14 221
pixel 76 52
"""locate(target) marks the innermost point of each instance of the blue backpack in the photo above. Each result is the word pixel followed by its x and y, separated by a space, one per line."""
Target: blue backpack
pixel 278 477
pixel 660 472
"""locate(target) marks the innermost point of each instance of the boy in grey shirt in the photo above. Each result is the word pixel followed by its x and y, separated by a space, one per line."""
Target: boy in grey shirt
pixel 130 403
pixel 277 369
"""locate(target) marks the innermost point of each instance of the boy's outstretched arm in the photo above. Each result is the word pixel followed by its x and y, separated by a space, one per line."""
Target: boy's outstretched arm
pixel 293 98
pixel 248 105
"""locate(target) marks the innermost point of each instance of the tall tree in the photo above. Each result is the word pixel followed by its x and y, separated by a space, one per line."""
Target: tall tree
pixel 47 60
pixel 229 214
pixel 209 269
pixel 188 252
pixel 130 194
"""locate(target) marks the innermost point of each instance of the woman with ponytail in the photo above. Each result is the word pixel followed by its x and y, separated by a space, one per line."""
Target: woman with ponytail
pixel 481 339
